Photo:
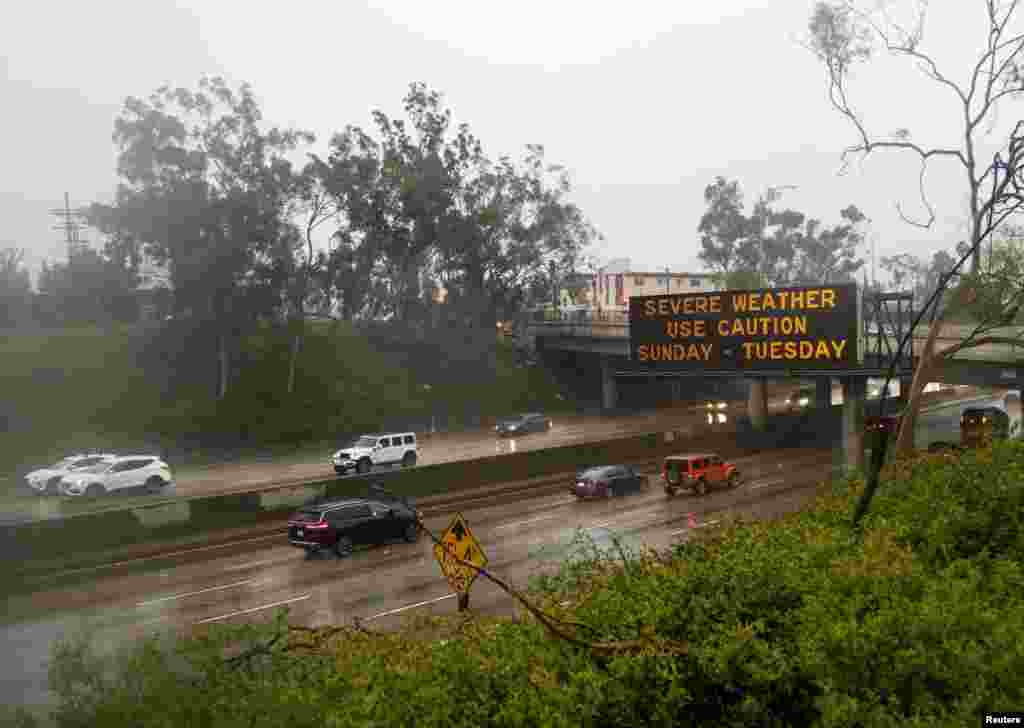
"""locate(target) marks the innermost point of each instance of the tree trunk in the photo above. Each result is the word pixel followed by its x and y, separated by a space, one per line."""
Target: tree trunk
pixel 222 359
pixel 905 442
pixel 293 359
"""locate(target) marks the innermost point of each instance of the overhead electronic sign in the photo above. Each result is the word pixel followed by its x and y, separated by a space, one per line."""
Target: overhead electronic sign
pixel 769 329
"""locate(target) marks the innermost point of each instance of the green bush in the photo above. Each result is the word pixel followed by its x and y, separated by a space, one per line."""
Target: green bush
pixel 915 621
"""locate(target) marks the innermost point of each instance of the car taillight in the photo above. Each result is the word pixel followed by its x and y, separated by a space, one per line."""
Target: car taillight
pixel 312 526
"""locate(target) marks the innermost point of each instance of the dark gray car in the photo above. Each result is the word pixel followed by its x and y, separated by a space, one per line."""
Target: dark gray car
pixel 522 424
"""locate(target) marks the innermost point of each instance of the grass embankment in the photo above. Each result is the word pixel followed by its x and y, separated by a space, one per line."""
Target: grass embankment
pixel 793 622
pixel 72 390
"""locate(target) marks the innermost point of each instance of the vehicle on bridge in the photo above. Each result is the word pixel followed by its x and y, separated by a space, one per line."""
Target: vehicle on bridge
pixel 345 524
pixel 698 473
pixel 522 424
pixel 369 451
pixel 608 481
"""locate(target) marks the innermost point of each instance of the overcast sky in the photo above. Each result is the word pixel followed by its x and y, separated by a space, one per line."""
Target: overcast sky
pixel 644 102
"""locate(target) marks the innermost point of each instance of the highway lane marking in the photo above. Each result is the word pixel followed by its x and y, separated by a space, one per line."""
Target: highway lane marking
pixel 699 525
pixel 251 564
pixel 195 593
pixel 528 520
pixel 602 524
pixel 409 606
pixel 766 483
pixel 255 609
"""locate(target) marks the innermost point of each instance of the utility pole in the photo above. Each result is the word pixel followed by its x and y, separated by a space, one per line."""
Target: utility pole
pixel 72 223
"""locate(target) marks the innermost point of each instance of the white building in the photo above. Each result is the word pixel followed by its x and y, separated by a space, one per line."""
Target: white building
pixel 615 282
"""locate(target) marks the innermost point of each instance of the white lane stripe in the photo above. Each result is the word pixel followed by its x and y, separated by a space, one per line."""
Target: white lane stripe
pixel 251 564
pixel 255 609
pixel 522 523
pixel 603 524
pixel 409 606
pixel 194 593
pixel 766 483
pixel 699 525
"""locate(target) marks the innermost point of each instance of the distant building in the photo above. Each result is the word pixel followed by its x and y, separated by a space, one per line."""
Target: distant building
pixel 613 284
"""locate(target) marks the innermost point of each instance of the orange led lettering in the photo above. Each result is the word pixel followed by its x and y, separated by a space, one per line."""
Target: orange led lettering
pixel 739 303
pixel 701 305
pixel 755 302
pixel 796 299
pixel 768 302
pixel 716 304
pixel 828 298
pixel 822 351
pixel 776 350
pixel 812 299
pixel 791 351
pixel 806 350
pixel 650 308
pixel 723 327
pixel 839 347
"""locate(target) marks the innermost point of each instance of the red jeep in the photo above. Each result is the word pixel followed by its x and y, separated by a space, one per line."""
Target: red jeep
pixel 698 473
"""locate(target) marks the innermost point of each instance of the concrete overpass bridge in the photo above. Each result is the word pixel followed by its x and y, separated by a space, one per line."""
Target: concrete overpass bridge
pixel 607 336
pixel 598 344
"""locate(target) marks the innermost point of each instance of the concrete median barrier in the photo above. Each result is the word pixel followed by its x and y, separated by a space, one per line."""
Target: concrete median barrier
pixel 71 541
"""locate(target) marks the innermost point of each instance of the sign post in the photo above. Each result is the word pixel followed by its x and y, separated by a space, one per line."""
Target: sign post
pixel 458 542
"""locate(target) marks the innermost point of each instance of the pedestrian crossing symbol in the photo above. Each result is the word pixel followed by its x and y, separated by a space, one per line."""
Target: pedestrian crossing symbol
pixel 459 541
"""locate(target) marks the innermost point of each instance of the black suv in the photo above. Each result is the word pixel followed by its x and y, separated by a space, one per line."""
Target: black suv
pixel 342 525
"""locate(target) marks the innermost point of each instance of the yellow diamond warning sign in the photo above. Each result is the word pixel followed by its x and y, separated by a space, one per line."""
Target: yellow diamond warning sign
pixel 458 541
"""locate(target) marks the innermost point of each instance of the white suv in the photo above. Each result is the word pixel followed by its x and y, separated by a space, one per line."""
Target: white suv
pixel 46 481
pixel 372 450
pixel 128 472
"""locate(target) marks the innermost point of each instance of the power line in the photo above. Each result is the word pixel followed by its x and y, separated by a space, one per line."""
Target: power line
pixel 72 223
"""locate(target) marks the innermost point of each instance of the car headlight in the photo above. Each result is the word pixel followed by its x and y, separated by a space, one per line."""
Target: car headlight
pixel 803 401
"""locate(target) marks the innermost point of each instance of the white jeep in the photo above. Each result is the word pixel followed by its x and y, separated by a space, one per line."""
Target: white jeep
pixel 370 451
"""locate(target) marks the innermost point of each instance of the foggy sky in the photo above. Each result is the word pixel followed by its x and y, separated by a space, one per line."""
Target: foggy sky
pixel 644 102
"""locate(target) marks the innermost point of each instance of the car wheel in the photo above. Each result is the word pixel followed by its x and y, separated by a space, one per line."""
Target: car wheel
pixel 701 487
pixel 670 491
pixel 408 460
pixel 734 480
pixel 52 487
pixel 343 547
pixel 363 467
pixel 412 533
pixel 95 491
pixel 339 471
pixel 155 484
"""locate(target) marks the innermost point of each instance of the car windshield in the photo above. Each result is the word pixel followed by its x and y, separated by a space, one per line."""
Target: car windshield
pixel 309 515
pixel 97 468
pixel 61 464
pixel 594 473
pixel 365 442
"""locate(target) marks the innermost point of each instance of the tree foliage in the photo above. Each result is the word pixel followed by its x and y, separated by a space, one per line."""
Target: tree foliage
pixel 15 288
pixel 773 247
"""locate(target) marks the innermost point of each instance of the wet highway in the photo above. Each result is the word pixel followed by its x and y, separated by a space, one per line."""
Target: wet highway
pixel 380 586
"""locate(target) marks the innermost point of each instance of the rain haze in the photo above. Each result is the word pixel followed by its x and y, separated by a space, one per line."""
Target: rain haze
pixel 644 103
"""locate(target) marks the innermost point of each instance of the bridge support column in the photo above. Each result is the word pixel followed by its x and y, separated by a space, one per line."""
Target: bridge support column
pixel 854 396
pixel 757 404
pixel 823 392
pixel 609 393
pixel 675 388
